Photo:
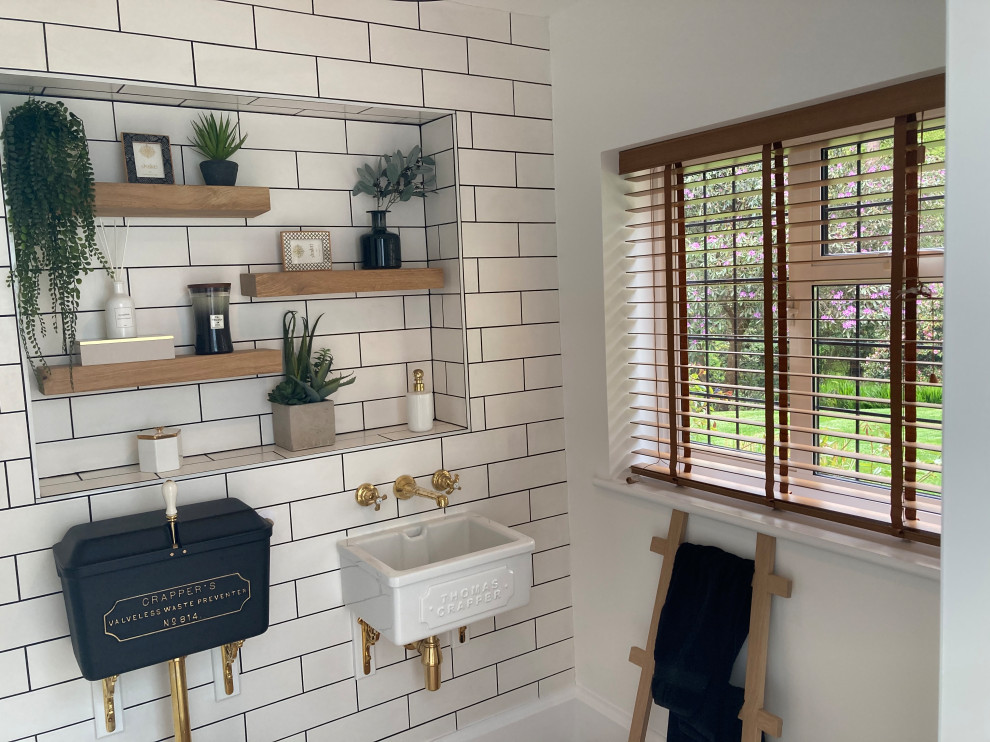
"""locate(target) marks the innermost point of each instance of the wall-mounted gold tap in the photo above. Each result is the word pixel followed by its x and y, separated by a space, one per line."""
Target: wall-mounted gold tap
pixel 367 494
pixel 405 487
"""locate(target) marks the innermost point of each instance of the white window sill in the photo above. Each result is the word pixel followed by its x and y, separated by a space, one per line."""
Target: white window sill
pixel 917 559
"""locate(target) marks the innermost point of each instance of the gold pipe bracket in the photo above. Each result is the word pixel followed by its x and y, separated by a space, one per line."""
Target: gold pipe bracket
pixel 180 699
pixel 109 712
pixel 369 637
pixel 462 634
pixel 229 655
pixel 367 494
pixel 444 481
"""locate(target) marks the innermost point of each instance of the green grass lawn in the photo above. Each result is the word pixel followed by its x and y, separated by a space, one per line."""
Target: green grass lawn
pixel 839 442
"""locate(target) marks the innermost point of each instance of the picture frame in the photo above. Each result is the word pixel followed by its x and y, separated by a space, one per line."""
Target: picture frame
pixel 147 158
pixel 306 251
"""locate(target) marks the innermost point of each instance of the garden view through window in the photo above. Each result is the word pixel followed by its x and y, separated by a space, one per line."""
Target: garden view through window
pixel 793 292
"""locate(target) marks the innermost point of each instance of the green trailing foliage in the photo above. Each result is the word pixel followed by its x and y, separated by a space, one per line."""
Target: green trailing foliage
pixel 215 139
pixel 307 376
pixel 398 178
pixel 48 178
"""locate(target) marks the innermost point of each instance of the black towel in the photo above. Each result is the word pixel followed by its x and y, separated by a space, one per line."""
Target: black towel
pixel 703 625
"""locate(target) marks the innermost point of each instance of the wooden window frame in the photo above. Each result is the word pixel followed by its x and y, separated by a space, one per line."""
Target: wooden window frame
pixel 899 102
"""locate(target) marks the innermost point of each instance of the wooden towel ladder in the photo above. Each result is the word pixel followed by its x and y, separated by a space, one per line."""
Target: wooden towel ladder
pixel 766 584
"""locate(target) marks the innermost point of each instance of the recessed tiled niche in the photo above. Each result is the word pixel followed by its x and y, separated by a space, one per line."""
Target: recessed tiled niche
pixel 306 152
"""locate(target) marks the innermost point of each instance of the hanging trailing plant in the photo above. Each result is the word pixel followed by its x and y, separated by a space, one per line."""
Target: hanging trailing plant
pixel 48 179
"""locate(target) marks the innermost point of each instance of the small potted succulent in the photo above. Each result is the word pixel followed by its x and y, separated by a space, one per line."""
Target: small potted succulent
pixel 216 139
pixel 302 413
pixel 398 178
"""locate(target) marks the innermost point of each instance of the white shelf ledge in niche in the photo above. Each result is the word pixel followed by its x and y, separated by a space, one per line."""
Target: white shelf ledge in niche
pixel 122 477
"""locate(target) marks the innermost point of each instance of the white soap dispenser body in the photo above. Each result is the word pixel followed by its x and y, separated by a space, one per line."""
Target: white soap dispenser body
pixel 419 405
pixel 120 314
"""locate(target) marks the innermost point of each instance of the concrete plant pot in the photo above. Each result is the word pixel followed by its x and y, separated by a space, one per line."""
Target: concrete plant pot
pixel 301 426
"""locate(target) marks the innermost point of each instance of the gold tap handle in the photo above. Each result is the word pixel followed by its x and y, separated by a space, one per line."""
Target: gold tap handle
pixel 444 481
pixel 367 494
pixel 229 655
pixel 109 713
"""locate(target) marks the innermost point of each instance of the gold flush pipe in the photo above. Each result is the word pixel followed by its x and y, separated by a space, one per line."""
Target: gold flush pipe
pixel 180 699
pixel 431 657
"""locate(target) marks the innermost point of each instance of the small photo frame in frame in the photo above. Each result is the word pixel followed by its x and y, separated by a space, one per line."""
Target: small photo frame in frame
pixel 306 251
pixel 148 158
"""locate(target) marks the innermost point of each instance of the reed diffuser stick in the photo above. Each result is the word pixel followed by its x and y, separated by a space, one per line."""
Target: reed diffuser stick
pixel 116 255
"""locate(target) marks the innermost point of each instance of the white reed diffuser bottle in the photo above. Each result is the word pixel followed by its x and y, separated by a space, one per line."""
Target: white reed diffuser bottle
pixel 120 312
pixel 419 405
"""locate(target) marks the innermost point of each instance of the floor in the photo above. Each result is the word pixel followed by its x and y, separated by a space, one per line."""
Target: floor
pixel 571 721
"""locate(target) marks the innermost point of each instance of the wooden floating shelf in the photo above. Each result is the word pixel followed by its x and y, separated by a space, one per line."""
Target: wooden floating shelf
pixel 301 283
pixel 142 199
pixel 150 373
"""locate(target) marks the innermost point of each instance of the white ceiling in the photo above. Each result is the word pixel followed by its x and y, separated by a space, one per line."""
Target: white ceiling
pixel 530 7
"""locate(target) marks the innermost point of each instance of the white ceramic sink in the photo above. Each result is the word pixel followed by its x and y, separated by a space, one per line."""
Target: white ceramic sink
pixel 421 579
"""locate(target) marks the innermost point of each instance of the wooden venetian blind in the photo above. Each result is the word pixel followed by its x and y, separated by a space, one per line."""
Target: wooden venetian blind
pixel 786 298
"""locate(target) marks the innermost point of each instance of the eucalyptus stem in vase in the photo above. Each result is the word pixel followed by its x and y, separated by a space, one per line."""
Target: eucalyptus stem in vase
pixel 398 178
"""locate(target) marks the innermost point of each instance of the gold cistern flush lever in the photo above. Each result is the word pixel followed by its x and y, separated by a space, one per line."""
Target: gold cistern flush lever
pixel 367 494
pixel 170 492
pixel 109 713
pixel 229 655
pixel 369 637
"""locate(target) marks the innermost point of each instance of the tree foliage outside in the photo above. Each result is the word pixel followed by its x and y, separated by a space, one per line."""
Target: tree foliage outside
pixel 725 312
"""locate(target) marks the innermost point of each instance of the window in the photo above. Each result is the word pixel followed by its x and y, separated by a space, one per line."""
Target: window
pixel 786 294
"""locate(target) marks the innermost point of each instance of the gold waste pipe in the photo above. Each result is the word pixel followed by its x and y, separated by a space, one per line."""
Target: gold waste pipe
pixel 180 699
pixel 431 657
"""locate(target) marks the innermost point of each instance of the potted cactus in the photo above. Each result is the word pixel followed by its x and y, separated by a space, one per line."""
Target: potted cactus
pixel 302 411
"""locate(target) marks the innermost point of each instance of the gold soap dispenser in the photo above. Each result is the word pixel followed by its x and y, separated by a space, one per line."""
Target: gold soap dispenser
pixel 419 405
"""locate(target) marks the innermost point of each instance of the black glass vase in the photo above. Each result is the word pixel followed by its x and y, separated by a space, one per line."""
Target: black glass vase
pixel 379 247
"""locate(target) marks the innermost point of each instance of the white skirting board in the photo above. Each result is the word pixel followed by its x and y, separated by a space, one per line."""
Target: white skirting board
pixel 577 694
pixel 610 711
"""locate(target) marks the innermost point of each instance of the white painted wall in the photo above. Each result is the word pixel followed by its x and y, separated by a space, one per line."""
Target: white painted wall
pixel 854 654
pixel 965 714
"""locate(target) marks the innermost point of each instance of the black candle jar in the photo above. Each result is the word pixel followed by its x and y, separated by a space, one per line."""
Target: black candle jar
pixel 210 302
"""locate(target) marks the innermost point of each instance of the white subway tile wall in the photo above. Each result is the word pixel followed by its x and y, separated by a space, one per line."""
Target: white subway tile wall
pixel 298 680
